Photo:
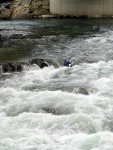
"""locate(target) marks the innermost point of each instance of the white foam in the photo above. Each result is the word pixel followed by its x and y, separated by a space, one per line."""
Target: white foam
pixel 60 108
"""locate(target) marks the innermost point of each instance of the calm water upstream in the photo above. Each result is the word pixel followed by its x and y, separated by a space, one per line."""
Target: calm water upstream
pixel 57 108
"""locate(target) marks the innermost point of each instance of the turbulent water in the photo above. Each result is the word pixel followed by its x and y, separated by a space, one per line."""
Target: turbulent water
pixel 57 108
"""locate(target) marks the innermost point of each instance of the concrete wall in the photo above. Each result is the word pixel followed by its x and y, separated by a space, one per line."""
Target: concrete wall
pixel 89 8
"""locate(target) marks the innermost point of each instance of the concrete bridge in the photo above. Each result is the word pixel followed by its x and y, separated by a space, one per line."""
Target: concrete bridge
pixel 78 8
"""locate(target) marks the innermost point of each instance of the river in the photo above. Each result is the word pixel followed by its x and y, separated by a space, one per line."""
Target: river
pixel 57 108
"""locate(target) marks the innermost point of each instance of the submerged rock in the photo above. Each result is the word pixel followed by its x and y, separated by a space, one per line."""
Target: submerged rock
pixel 83 91
pixel 11 67
pixel 18 66
pixel 49 110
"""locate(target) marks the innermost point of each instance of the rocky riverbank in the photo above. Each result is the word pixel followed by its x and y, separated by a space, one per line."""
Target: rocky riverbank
pixel 19 9
pixel 5 10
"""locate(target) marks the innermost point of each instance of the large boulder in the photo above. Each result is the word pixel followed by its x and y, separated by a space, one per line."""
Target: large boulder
pixel 40 62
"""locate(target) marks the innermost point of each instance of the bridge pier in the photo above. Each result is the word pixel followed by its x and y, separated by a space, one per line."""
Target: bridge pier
pixel 78 8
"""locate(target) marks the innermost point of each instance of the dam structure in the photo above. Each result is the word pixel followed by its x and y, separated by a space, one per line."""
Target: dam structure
pixel 82 8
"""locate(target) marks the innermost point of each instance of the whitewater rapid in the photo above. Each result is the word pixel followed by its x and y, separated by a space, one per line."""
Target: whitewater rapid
pixel 43 109
pixel 57 108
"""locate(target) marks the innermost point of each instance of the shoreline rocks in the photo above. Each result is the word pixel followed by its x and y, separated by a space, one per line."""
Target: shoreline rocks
pixel 5 10
pixel 29 8
pixel 21 9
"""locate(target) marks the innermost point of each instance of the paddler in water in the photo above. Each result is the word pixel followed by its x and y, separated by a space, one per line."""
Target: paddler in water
pixel 67 63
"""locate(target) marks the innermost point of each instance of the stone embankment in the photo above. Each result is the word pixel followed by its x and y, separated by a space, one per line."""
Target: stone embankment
pixel 19 9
